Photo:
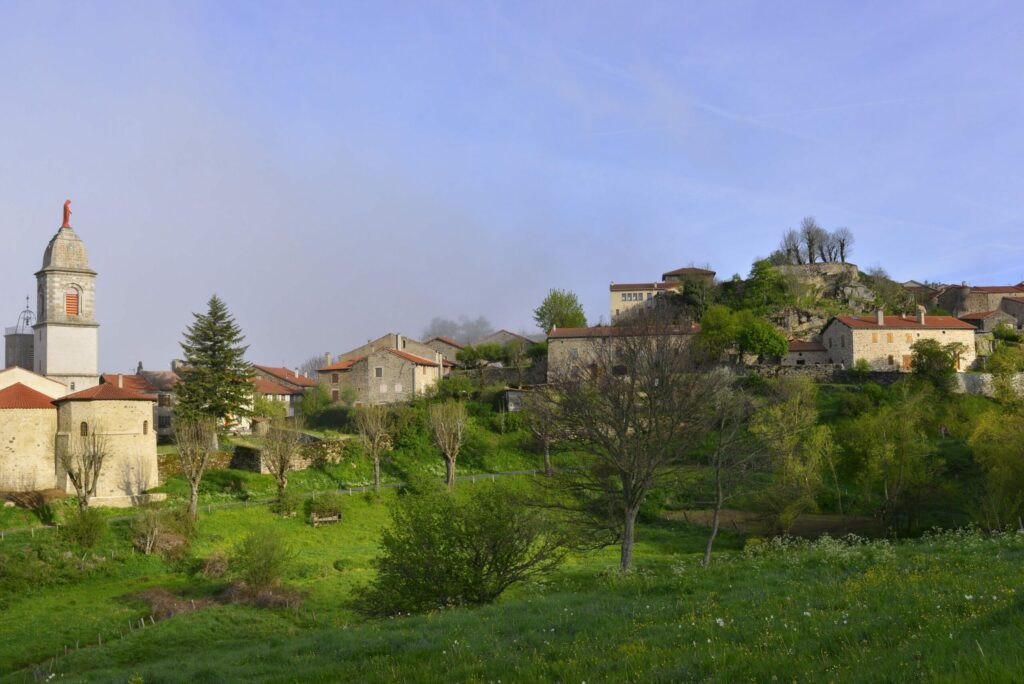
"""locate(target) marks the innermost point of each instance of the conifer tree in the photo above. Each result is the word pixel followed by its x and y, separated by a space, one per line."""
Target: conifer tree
pixel 216 382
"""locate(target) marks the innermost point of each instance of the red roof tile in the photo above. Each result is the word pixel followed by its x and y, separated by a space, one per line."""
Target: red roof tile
pixel 264 386
pixel 138 383
pixel 106 392
pixel 19 396
pixel 446 340
pixel 622 287
pixel 418 360
pixel 910 322
pixel 978 316
pixel 288 375
pixel 808 346
pixel 341 365
pixel 996 289
pixel 613 331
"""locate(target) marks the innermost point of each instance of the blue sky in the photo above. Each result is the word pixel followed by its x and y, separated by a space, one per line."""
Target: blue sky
pixel 338 170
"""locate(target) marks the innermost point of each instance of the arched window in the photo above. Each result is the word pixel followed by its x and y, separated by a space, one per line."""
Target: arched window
pixel 83 429
pixel 145 427
pixel 71 303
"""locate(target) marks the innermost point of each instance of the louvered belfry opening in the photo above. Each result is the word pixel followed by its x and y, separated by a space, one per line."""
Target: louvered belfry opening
pixel 71 302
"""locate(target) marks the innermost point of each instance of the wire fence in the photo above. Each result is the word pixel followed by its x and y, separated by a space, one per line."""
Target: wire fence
pixel 209 508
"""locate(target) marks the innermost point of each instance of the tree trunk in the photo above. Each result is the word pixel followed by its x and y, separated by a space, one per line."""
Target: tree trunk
pixel 376 473
pixel 282 484
pixel 548 470
pixel 450 468
pixel 193 500
pixel 628 535
pixel 715 519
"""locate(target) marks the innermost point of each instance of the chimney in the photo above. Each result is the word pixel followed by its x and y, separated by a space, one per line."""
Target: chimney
pixel 920 315
pixel 327 359
pixel 138 371
pixel 880 317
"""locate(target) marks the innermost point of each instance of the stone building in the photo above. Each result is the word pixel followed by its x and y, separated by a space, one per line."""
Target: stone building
pixel 503 337
pixel 967 299
pixel 384 376
pixel 447 347
pixel 625 297
pixel 1015 307
pixel 987 321
pixel 805 353
pixel 573 348
pixel 885 341
pixel 28 421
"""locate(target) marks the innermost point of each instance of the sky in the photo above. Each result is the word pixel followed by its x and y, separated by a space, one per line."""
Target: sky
pixel 335 171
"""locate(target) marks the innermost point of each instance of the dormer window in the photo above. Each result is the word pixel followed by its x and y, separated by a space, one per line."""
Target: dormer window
pixel 71 302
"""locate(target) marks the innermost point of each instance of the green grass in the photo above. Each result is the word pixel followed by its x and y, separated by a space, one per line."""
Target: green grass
pixel 945 608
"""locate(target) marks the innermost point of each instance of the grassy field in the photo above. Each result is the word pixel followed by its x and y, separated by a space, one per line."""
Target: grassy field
pixel 941 608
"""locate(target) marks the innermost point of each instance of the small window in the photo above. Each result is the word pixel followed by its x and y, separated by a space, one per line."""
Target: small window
pixel 801 362
pixel 378 372
pixel 72 387
pixel 145 427
pixel 334 378
pixel 83 429
pixel 892 361
pixel 164 400
pixel 335 395
pixel 650 294
pixel 163 422
pixel 574 354
pixel 910 337
pixel 888 337
pixel 874 338
pixel 71 302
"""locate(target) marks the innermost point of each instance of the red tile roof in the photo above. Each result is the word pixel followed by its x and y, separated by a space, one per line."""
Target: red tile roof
pixel 418 360
pixel 106 392
pixel 623 287
pixel 689 270
pixel 446 340
pixel 341 365
pixel 611 331
pixel 997 289
pixel 910 322
pixel 288 375
pixel 978 316
pixel 264 386
pixel 19 396
pixel 808 346
pixel 138 383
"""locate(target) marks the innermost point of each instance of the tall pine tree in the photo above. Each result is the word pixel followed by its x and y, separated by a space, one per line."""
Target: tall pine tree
pixel 216 382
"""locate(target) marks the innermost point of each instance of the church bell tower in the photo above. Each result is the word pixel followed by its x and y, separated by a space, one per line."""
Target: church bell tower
pixel 66 331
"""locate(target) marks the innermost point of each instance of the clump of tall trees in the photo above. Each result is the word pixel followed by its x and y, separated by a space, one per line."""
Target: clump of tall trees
pixel 810 243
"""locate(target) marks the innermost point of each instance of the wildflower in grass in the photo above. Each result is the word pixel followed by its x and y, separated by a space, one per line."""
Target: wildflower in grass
pixel 720 621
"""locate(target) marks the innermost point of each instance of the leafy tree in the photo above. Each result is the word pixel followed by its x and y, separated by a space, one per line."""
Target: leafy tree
pixel 440 552
pixel 935 363
pixel 1006 333
pixel 998 448
pixel 757 336
pixel 261 560
pixel 263 407
pixel 560 308
pixel 476 357
pixel 315 401
pixel 765 289
pixel 216 381
pixel 1004 365
pixel 448 423
pixel 718 331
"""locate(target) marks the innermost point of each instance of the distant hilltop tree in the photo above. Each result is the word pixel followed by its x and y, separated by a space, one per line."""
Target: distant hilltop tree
pixel 811 244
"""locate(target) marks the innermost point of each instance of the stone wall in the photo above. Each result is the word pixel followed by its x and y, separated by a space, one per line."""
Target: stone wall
pixel 26 449
pixel 535 374
pixel 981 383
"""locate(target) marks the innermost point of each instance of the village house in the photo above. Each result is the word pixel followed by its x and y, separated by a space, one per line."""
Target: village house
pixel 447 347
pixel 382 376
pixel 805 353
pixel 987 321
pixel 503 337
pixel 885 342
pixel 574 348
pixel 967 299
pixel 625 297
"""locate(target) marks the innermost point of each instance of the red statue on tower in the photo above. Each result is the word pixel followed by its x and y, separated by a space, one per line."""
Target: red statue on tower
pixel 67 214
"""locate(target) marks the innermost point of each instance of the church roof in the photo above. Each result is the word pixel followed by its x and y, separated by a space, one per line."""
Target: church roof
pixel 106 392
pixel 66 251
pixel 19 396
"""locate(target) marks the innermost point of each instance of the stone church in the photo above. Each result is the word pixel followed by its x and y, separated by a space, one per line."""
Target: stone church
pixel 59 405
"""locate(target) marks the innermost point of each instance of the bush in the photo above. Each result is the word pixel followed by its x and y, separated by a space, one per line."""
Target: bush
pixel 288 504
pixel 260 560
pixel 453 387
pixel 147 526
pixel 439 552
pixel 325 505
pixel 85 528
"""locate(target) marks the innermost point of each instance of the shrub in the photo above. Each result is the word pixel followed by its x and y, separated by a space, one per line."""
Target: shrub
pixel 439 552
pixel 288 503
pixel 325 505
pixel 147 526
pixel 861 371
pixel 260 560
pixel 453 387
pixel 85 528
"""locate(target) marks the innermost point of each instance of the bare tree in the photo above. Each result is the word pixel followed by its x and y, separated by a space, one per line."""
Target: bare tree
pixel 374 426
pixel 813 236
pixel 636 404
pixel 448 421
pixel 844 242
pixel 311 366
pixel 195 438
pixel 81 455
pixel 281 446
pixel 540 407
pixel 791 247
pixel 734 454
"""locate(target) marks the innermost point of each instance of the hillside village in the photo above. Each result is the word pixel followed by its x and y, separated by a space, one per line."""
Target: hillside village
pixel 833 319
